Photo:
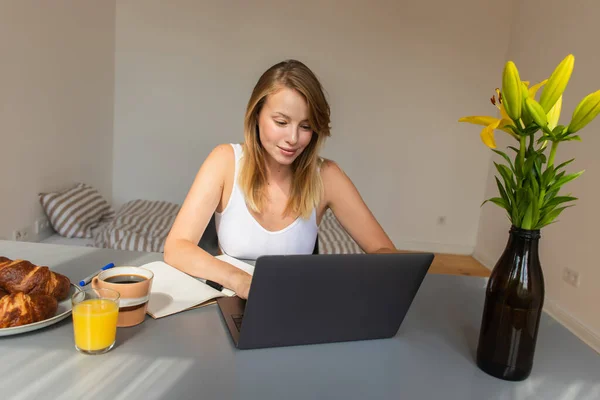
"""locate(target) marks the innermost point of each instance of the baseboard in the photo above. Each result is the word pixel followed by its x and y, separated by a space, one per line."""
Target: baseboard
pixel 435 247
pixel 555 311
pixel 575 326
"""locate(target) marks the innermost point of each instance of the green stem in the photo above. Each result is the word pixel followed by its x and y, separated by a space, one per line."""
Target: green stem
pixel 520 160
pixel 552 154
pixel 522 146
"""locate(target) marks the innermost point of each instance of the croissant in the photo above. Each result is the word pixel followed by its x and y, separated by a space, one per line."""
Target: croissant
pixel 20 309
pixel 23 276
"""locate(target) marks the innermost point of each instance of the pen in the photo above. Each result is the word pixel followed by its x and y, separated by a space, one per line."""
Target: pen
pixel 88 279
pixel 214 285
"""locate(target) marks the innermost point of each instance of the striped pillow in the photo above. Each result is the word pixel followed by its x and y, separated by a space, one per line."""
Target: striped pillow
pixel 76 211
pixel 333 238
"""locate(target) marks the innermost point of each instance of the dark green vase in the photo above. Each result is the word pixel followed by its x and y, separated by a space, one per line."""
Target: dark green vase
pixel 513 305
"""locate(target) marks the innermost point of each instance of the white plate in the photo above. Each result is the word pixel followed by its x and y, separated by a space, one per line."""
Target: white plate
pixel 63 311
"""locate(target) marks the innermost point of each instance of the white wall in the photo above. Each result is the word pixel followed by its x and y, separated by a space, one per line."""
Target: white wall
pixel 399 74
pixel 537 46
pixel 56 102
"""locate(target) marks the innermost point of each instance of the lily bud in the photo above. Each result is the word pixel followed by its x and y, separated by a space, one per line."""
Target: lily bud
pixel 537 112
pixel 511 91
pixel 524 112
pixel 557 83
pixel 585 112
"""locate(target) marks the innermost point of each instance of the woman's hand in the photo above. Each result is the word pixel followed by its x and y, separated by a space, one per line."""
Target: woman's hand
pixel 242 285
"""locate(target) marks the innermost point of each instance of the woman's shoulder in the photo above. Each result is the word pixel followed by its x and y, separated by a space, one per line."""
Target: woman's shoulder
pixel 221 156
pixel 329 169
pixel 226 150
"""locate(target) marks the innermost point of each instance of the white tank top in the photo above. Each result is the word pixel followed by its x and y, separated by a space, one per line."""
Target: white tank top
pixel 241 236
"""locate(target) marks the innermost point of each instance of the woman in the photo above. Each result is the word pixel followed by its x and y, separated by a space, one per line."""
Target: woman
pixel 270 193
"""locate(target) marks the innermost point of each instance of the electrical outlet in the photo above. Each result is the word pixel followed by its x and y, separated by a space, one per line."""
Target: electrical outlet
pixel 571 277
pixel 41 224
pixel 22 235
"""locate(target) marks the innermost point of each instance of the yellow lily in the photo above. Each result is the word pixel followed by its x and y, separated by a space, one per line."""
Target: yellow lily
pixel 533 90
pixel 554 114
pixel 490 123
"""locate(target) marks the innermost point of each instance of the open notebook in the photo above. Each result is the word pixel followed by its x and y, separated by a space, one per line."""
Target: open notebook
pixel 174 291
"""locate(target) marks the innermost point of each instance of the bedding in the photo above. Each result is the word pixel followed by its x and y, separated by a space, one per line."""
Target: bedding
pixel 143 225
pixel 56 238
pixel 140 225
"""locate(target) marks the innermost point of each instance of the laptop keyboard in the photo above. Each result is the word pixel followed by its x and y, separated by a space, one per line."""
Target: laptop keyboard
pixel 237 320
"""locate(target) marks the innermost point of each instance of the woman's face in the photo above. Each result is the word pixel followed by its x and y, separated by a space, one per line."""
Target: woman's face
pixel 283 125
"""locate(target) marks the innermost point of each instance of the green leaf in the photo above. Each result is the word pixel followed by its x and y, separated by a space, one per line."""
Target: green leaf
pixel 550 195
pixel 543 138
pixel 498 201
pixel 559 130
pixel 557 201
pixel 518 167
pixel 547 176
pixel 531 129
pixel 514 129
pixel 556 178
pixel 574 137
pixel 535 186
pixel 565 164
pixel 506 157
pixel 523 202
pixel 542 157
pixel 508 198
pixel 507 175
pixel 551 216
pixel 535 210
pixel 560 175
pixel 514 149
pixel 538 167
pixel 501 189
pixel 528 166
pixel 514 214
pixel 527 218
pixel 564 179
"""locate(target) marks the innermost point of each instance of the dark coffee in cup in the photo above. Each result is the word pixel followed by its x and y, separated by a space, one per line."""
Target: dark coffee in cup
pixel 125 279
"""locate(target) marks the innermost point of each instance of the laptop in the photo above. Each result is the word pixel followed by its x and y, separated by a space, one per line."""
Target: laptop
pixel 326 298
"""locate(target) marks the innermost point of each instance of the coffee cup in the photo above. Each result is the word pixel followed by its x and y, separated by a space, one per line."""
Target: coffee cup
pixel 133 285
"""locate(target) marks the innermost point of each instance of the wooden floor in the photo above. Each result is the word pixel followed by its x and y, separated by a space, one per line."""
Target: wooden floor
pixel 455 264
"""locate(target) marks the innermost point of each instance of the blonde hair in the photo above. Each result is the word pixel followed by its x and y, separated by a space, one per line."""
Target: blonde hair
pixel 307 188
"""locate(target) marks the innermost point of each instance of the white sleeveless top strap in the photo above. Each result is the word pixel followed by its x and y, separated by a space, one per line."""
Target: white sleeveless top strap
pixel 241 236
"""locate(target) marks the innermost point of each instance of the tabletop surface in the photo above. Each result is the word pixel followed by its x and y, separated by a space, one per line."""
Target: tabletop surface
pixel 191 356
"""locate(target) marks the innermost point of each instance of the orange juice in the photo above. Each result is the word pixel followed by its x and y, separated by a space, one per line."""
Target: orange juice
pixel 95 324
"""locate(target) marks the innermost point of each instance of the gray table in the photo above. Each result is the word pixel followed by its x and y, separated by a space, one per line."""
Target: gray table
pixel 190 355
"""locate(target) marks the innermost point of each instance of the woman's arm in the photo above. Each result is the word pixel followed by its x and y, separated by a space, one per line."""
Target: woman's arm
pixel 181 246
pixel 351 211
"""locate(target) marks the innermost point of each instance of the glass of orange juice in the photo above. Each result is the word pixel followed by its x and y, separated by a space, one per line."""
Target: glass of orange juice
pixel 95 313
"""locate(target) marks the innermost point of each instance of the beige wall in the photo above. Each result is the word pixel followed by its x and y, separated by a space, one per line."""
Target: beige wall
pixel 56 102
pixel 398 73
pixel 537 46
